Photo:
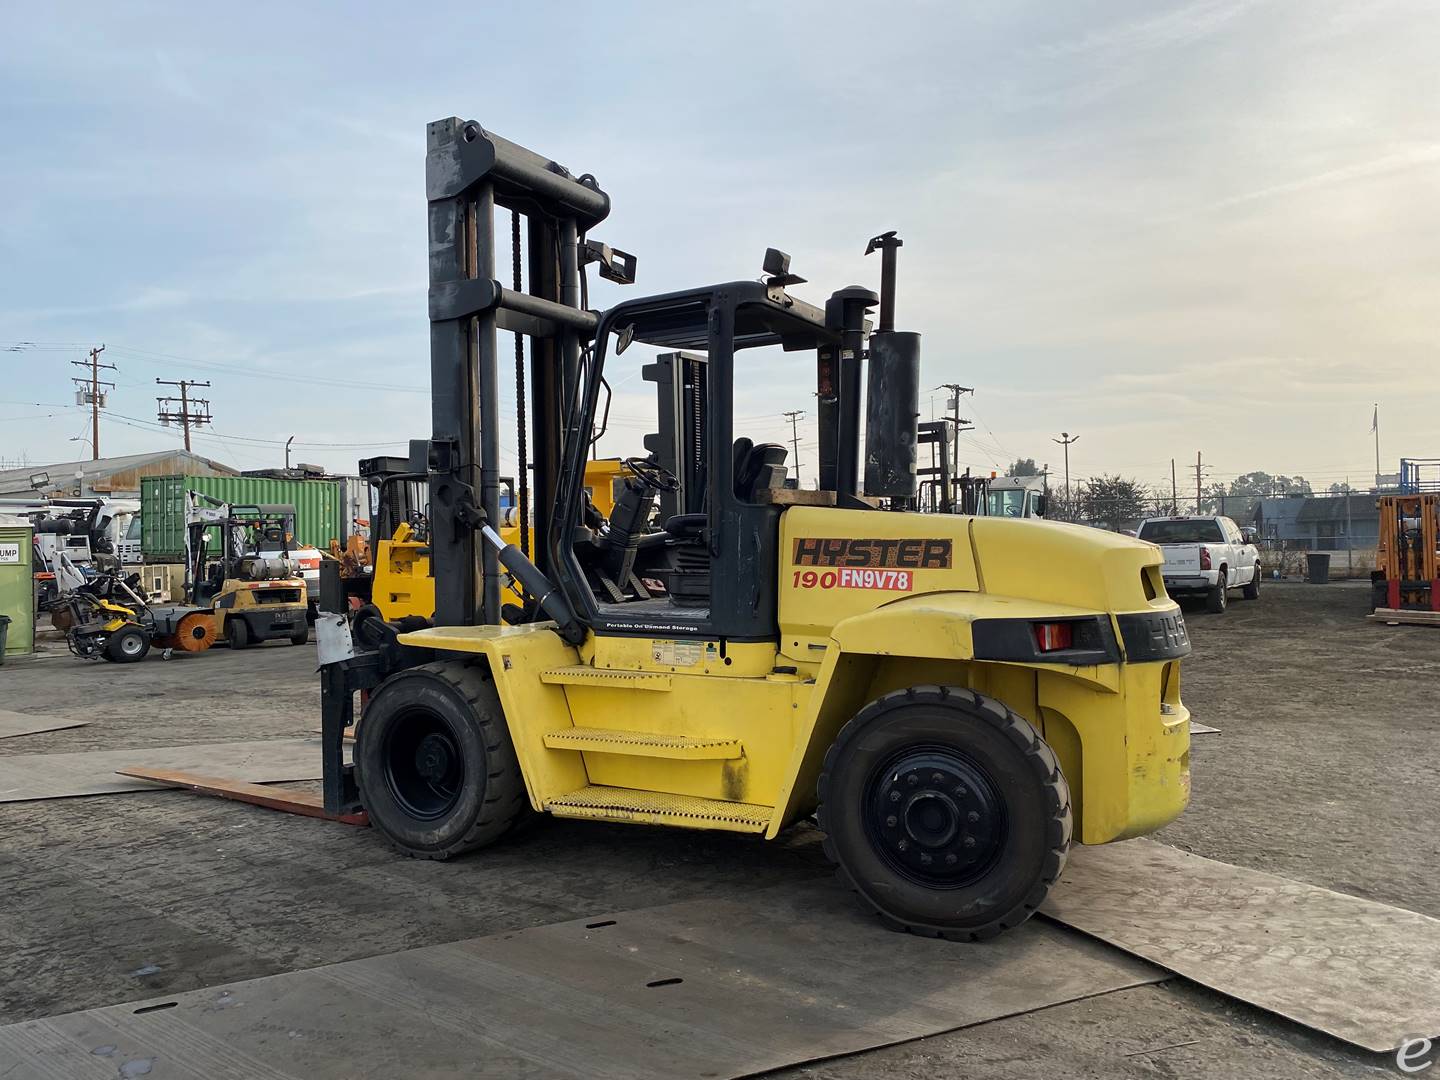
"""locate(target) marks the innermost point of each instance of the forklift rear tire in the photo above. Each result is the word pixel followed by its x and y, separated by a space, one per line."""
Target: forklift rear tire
pixel 127 645
pixel 436 768
pixel 945 813
pixel 237 632
pixel 301 634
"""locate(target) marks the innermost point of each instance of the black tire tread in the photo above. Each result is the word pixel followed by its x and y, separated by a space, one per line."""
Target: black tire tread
pixel 1215 599
pixel 1042 761
pixel 506 802
pixel 1252 590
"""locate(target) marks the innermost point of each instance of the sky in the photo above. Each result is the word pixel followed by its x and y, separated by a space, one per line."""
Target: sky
pixel 1168 228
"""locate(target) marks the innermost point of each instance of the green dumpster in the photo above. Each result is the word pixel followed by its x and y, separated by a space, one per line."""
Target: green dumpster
pixel 17 589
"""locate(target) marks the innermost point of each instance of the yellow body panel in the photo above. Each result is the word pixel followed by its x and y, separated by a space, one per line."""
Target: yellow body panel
pixel 699 722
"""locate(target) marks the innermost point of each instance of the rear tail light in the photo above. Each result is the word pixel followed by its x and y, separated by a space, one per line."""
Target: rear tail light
pixel 1054 636
pixel 1204 558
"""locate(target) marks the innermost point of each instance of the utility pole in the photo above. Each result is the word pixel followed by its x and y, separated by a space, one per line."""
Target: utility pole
pixel 184 417
pixel 1065 440
pixel 89 394
pixel 953 404
pixel 1349 543
pixel 1174 492
pixel 795 416
pixel 1197 481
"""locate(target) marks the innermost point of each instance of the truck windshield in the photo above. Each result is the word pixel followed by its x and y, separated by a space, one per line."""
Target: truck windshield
pixel 1009 503
pixel 1182 532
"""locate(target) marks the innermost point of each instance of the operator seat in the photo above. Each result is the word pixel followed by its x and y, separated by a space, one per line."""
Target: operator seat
pixel 758 467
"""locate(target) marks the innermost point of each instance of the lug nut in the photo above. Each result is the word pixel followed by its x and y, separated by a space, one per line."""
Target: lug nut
pixel 925 860
pixel 937 778
pixel 960 791
pixel 951 859
pixel 903 845
pixel 912 779
pixel 894 796
pixel 891 821
pixel 972 817
pixel 969 841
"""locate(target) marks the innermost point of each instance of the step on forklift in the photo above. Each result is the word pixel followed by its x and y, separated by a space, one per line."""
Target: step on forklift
pixel 954 698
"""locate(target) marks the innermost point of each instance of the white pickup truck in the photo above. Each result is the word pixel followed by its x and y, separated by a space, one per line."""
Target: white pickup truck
pixel 1204 556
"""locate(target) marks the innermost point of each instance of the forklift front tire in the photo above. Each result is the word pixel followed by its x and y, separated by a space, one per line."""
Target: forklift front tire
pixel 434 761
pixel 127 645
pixel 237 632
pixel 301 634
pixel 945 813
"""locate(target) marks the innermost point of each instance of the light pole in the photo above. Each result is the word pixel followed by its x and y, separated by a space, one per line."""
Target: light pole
pixel 1065 440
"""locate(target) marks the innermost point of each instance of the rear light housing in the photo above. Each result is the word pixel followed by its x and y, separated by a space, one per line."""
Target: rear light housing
pixel 1204 558
pixel 1054 636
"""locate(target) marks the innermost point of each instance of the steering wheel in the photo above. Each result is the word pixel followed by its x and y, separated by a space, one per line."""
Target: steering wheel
pixel 652 474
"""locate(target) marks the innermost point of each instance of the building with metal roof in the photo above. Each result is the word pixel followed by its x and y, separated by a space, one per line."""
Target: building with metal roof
pixel 117 476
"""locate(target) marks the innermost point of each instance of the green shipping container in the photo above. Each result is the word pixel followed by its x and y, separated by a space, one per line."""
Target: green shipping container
pixel 162 508
pixel 17 588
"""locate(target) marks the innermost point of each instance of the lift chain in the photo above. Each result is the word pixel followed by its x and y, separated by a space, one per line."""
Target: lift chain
pixel 522 478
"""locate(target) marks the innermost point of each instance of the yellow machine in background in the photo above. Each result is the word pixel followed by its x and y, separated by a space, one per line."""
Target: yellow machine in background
pixel 402 583
pixel 1406 577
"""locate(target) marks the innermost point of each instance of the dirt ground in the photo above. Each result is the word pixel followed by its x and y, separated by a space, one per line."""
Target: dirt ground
pixel 1324 770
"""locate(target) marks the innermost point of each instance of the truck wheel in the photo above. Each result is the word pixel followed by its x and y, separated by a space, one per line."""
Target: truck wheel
pixel 127 645
pixel 1215 598
pixel 1252 590
pixel 433 758
pixel 944 812
pixel 237 632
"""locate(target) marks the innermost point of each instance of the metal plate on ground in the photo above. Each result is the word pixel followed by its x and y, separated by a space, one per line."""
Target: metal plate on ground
pixel 58 776
pixel 14 723
pixel 1202 729
pixel 712 989
pixel 1364 972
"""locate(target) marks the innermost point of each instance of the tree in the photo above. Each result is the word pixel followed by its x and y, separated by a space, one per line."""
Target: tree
pixel 1341 489
pixel 1262 483
pixel 1113 501
pixel 1023 467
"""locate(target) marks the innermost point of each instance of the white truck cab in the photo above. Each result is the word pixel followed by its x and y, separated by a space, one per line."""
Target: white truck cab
pixel 1204 556
pixel 1016 497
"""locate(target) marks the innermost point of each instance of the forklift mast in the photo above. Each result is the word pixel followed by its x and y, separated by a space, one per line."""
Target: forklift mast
pixel 469 172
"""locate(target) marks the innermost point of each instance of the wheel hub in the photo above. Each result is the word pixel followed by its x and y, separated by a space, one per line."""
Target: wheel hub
pixel 423 765
pixel 433 757
pixel 934 815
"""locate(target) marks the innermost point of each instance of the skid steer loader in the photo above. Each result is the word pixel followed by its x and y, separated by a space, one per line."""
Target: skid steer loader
pixel 954 698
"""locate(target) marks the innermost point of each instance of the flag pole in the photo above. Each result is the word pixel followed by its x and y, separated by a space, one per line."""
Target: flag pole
pixel 1375 427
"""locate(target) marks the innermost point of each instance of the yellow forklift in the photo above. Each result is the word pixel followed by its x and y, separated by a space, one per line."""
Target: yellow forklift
pixel 398 580
pixel 252 587
pixel 954 698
